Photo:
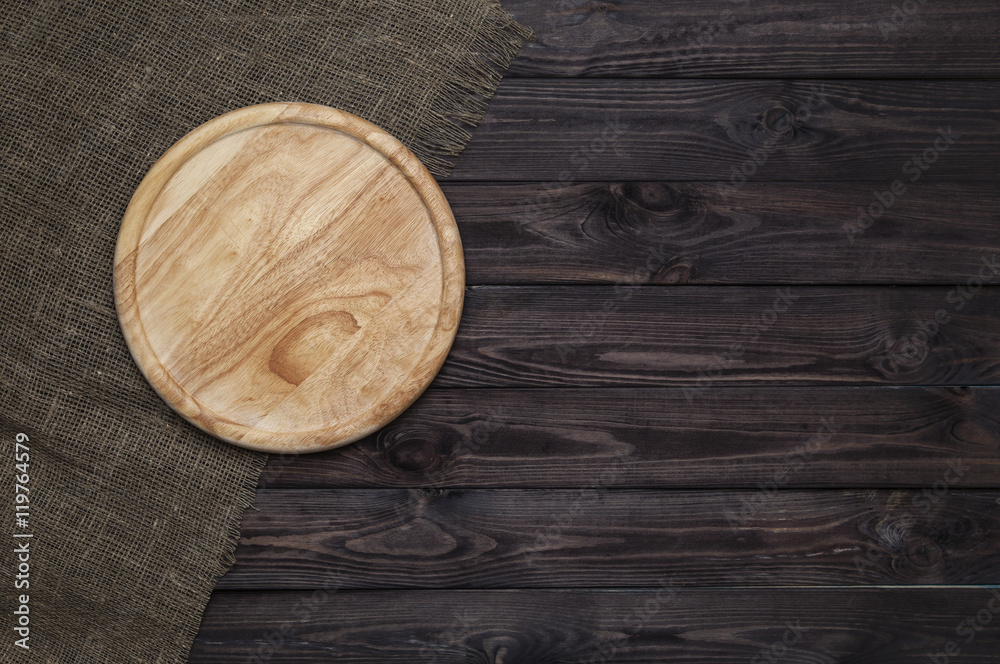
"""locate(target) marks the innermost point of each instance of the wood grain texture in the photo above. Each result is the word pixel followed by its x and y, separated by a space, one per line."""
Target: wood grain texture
pixel 798 39
pixel 598 537
pixel 662 624
pixel 655 437
pixel 707 233
pixel 636 452
pixel 701 337
pixel 289 277
pixel 586 130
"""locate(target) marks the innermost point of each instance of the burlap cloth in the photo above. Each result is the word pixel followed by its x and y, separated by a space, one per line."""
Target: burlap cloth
pixel 134 512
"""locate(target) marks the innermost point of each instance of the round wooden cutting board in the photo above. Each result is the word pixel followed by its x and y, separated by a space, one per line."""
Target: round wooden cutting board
pixel 289 277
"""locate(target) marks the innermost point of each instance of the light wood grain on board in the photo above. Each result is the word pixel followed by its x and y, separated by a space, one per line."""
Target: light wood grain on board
pixel 289 277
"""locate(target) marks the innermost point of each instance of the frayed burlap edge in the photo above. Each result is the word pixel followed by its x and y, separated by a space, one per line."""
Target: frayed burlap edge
pixel 244 500
pixel 461 106
pixel 473 82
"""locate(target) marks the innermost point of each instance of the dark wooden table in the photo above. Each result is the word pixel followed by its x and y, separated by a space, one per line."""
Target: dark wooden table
pixel 725 388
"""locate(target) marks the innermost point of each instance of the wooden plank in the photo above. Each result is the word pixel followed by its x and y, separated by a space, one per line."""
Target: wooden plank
pixel 704 233
pixel 655 437
pixel 797 38
pixel 599 537
pixel 662 624
pixel 578 130
pixel 703 336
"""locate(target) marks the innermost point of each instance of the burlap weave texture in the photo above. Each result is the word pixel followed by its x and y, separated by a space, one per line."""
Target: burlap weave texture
pixel 135 513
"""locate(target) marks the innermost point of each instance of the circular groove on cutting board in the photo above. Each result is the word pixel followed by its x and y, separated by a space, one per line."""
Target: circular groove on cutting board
pixel 289 277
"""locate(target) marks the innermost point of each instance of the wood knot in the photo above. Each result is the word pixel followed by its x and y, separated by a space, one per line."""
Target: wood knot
pixel 678 272
pixel 652 197
pixel 975 432
pixel 649 221
pixel 892 533
pixel 639 213
pixel 901 355
pixel 779 120
pixel 502 649
pixel 411 450
pixel 306 347
pixel 924 553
